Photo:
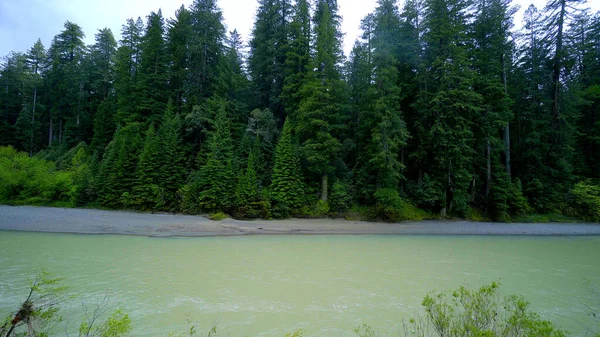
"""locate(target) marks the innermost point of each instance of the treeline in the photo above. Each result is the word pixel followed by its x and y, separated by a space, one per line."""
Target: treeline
pixel 441 109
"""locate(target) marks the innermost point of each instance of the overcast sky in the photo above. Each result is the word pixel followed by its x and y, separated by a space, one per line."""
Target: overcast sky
pixel 22 22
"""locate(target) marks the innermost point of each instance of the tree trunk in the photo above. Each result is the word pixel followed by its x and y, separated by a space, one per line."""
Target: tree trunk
pixel 60 131
pixel 557 65
pixel 506 137
pixel 32 121
pixel 50 135
pixel 324 186
pixel 488 155
pixel 402 161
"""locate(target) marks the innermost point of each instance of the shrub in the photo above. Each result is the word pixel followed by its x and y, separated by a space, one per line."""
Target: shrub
pixel 340 199
pixel 26 180
pixel 481 312
pixel 319 209
pixel 390 207
pixel 218 216
pixel 586 200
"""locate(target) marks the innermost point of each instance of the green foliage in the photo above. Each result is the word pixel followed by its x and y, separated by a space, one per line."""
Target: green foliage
pixel 146 194
pixel 80 168
pixel 287 193
pixel 586 200
pixel 297 333
pixel 481 312
pixel 218 216
pixel 116 325
pixel 268 48
pixel 215 184
pixel 249 202
pixel 319 209
pixel 340 199
pixel 173 171
pixel 390 207
pixel 152 78
pixel 39 312
pixel 117 175
pixel 426 104
pixel 365 331
pixel 104 125
pixel 28 180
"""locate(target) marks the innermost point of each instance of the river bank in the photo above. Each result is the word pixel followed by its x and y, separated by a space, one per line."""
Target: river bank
pixel 91 221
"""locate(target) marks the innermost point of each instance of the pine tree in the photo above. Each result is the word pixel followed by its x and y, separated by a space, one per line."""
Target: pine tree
pixel 117 175
pixel 268 49
pixel 153 76
pixel 65 98
pixel 104 125
pixel 127 70
pixel 216 184
pixel 12 77
pixel 232 84
pixel 205 49
pixel 321 112
pixel 586 44
pixel 287 192
pixel 248 197
pixel 146 194
pixel 172 170
pixel 36 58
pixel 179 35
pixel 491 40
pixel 451 105
pixel 261 128
pixel 382 130
pixel 297 58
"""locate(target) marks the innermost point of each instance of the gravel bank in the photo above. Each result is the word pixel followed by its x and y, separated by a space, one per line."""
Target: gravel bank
pixel 89 221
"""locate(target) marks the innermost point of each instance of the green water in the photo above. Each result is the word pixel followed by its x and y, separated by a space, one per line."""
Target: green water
pixel 326 285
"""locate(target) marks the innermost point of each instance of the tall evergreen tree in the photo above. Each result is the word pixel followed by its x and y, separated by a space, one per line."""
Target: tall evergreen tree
pixel 104 125
pixel 287 192
pixel 216 184
pixel 36 59
pixel 153 72
pixel 127 70
pixel 117 175
pixel 65 80
pixel 451 105
pixel 172 170
pixel 321 112
pixel 382 130
pixel 179 36
pixel 490 33
pixel 12 78
pixel 268 49
pixel 297 58
pixel 205 49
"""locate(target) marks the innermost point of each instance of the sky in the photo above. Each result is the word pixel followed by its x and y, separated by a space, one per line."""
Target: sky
pixel 22 22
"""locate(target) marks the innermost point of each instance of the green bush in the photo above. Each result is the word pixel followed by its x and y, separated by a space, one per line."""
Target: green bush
pixel 25 180
pixel 320 209
pixel 586 200
pixel 218 216
pixel 340 199
pixel 390 207
pixel 481 312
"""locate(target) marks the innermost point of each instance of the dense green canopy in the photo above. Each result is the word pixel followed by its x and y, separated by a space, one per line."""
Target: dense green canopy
pixel 442 105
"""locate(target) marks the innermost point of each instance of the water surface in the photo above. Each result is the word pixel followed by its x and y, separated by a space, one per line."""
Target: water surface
pixel 326 285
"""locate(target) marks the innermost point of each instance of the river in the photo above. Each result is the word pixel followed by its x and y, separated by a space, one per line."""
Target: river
pixel 326 285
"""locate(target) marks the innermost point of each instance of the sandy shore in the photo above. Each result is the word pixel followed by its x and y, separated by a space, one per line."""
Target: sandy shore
pixel 89 221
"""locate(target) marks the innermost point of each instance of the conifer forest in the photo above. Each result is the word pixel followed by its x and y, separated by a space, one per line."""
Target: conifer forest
pixel 443 108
